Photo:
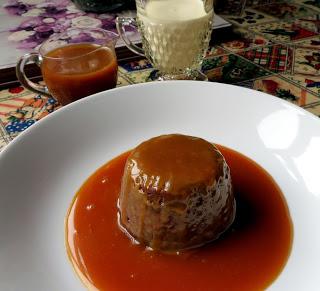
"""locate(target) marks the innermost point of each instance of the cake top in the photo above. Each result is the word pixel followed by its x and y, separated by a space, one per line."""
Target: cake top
pixel 174 163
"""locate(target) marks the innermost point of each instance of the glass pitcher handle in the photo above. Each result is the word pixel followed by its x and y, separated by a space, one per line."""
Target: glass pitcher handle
pixel 208 5
pixel 121 23
pixel 21 75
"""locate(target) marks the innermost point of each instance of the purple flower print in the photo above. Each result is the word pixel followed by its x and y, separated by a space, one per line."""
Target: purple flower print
pixel 61 25
pixel 53 11
pixel 42 33
pixel 31 33
pixel 45 8
pixel 46 17
pixel 17 8
pixel 108 24
pixel 27 44
pixel 82 37
pixel 29 24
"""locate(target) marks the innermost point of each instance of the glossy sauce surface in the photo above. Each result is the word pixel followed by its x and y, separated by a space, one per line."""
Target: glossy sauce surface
pixel 179 161
pixel 248 257
pixel 78 70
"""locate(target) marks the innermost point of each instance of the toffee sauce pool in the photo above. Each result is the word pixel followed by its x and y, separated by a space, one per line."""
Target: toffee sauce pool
pixel 249 256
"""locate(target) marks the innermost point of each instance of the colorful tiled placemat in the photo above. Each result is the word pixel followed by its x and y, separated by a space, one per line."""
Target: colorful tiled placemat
pixel 274 49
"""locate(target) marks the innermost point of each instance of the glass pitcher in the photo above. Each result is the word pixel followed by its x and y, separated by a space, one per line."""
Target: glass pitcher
pixel 175 35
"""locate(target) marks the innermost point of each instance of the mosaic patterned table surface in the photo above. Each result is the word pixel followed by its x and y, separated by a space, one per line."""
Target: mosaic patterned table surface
pixel 275 49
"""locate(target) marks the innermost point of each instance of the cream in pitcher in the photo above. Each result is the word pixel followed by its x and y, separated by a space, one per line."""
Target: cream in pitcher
pixel 175 34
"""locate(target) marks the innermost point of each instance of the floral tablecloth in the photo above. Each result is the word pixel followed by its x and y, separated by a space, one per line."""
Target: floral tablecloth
pixel 25 24
pixel 275 49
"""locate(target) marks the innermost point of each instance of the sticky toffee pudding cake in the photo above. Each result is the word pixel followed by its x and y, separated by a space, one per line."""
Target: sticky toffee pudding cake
pixel 176 193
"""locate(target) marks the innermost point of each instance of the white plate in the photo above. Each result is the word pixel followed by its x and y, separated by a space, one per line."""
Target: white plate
pixel 41 170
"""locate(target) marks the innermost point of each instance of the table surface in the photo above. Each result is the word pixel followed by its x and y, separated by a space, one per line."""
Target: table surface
pixel 25 24
pixel 274 48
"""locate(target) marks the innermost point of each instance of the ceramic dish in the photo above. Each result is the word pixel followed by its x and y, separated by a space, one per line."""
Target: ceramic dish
pixel 41 170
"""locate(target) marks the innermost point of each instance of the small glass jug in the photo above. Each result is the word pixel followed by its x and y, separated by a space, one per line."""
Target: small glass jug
pixel 74 64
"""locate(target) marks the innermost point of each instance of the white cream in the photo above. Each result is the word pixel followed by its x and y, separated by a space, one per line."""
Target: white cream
pixel 175 33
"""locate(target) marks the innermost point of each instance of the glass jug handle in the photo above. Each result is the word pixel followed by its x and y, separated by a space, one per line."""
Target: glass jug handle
pixel 121 23
pixel 21 75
